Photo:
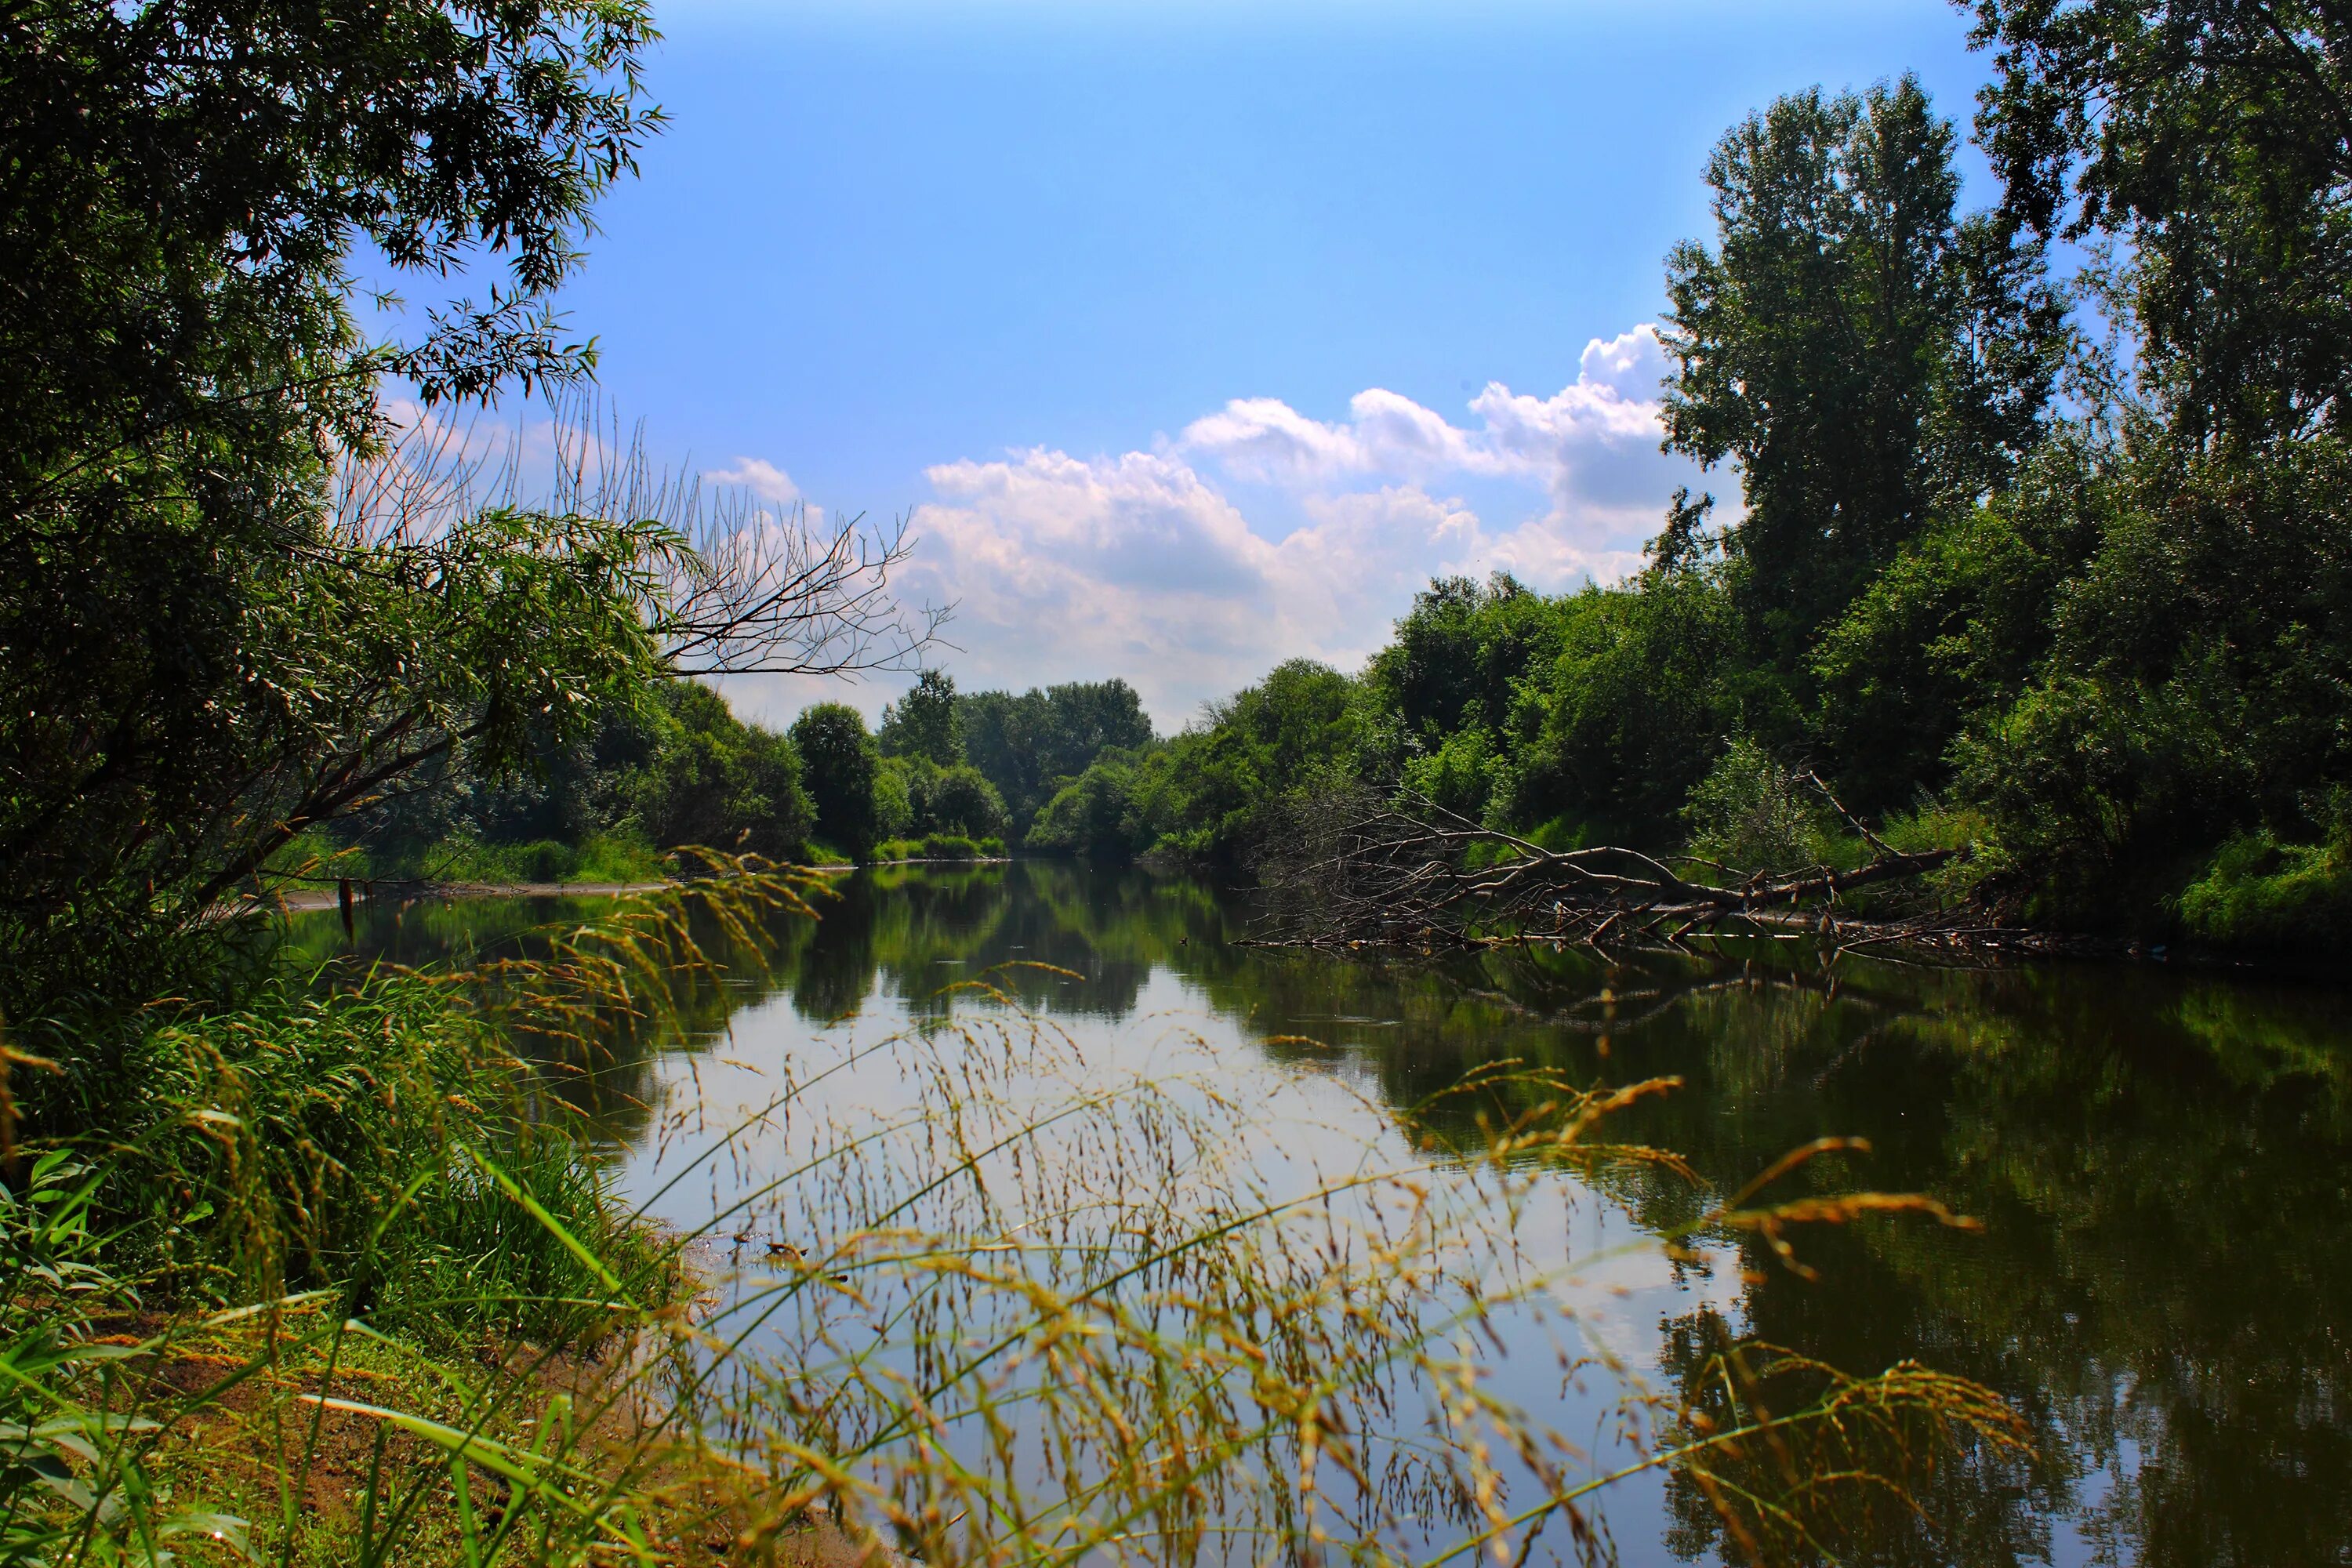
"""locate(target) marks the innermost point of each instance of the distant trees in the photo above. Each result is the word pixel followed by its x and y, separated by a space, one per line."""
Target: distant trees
pixel 1031 745
pixel 1213 792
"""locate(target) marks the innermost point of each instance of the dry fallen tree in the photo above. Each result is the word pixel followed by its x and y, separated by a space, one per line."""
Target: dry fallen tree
pixel 1362 870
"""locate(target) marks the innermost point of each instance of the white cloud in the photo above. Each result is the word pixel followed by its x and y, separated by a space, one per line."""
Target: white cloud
pixel 1582 441
pixel 1141 564
pixel 761 477
pixel 1136 565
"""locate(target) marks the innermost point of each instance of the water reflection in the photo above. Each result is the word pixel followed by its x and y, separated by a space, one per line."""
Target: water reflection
pixel 2162 1284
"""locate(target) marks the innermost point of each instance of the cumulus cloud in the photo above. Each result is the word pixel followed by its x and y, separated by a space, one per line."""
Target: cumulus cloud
pixel 1264 438
pixel 761 477
pixel 1065 569
pixel 1583 442
pixel 1141 564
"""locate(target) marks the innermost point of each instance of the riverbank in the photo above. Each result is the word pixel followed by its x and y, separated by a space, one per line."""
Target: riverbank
pixel 309 901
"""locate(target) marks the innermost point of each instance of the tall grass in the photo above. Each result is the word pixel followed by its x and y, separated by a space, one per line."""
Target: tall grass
pixel 347 1244
pixel 363 1140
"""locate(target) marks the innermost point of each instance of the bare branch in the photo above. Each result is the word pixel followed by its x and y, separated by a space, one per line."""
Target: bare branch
pixel 1361 870
pixel 754 585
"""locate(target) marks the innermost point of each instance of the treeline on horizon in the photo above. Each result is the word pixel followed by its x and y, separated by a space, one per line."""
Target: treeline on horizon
pixel 2059 570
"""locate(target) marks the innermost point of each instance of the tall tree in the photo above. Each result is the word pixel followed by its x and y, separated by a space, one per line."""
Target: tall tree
pixel 838 763
pixel 234 602
pixel 924 722
pixel 1860 351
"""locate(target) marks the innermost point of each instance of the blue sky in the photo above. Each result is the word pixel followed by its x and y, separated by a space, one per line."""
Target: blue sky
pixel 1192 337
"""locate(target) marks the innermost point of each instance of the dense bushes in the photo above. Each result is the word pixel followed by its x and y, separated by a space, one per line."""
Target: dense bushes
pixel 1029 746
pixel 939 847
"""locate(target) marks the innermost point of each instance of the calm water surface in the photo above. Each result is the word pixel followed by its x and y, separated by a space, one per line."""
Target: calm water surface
pixel 2162 1163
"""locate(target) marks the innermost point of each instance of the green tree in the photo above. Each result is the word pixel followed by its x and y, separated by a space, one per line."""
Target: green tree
pixel 1459 655
pixel 1957 626
pixel 839 762
pixel 1111 811
pixel 1649 682
pixel 2214 137
pixel 924 722
pixel 1862 354
pixel 1295 731
pixel 960 800
pixel 712 781
pixel 236 604
pixel 1029 746
pixel 2200 646
pixel 202 657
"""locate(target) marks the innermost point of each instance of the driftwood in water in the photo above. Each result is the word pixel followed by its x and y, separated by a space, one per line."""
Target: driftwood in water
pixel 1359 870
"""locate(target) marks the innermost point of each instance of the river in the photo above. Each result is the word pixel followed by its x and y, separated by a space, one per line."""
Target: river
pixel 2159 1164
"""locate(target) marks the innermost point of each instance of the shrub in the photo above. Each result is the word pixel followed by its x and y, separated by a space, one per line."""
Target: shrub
pixel 939 847
pixel 2257 892
pixel 1754 813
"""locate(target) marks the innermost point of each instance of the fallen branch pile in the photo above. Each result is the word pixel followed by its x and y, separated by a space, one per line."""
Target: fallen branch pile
pixel 1384 874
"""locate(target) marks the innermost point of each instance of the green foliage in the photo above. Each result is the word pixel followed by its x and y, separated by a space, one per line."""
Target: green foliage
pixel 926 723
pixel 956 801
pixel 1462 654
pixel 501 635
pixel 2259 893
pixel 348 1140
pixel 600 858
pixel 839 764
pixel 894 800
pixel 209 649
pixel 959 801
pixel 1460 776
pixel 2194 686
pixel 1217 790
pixel 674 768
pixel 1956 626
pixel 2208 137
pixel 1032 746
pixel 73 1489
pixel 1862 353
pixel 1118 808
pixel 939 847
pixel 1754 813
pixel 1229 779
pixel 708 779
pixel 1648 681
